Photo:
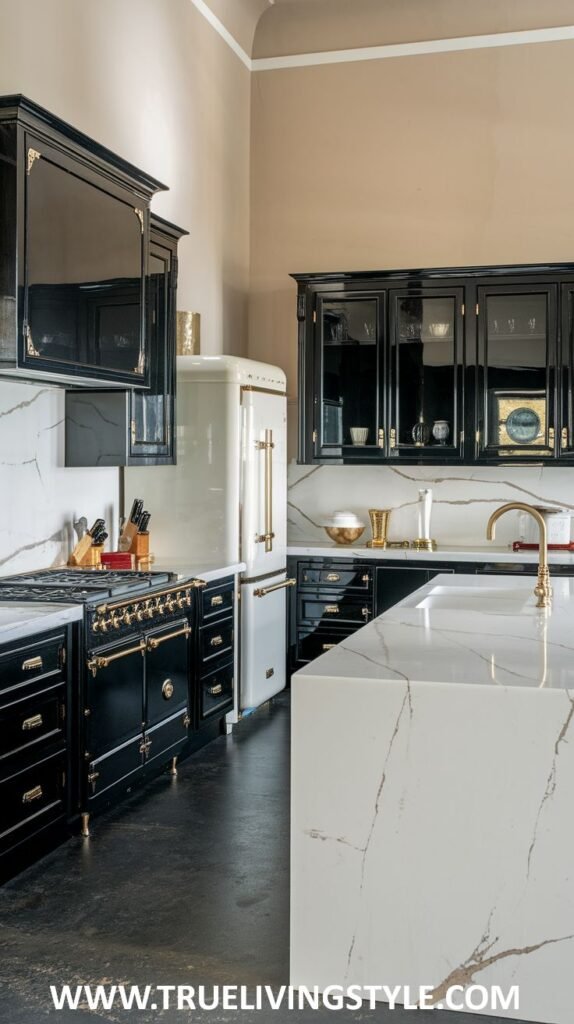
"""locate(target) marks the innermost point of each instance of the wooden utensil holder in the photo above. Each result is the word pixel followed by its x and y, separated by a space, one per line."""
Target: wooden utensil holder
pixel 140 546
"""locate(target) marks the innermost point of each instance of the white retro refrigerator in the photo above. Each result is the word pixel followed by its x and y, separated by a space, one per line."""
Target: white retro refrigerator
pixel 226 500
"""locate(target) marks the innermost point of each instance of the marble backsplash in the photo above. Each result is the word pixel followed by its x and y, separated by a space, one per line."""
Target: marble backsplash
pixel 39 497
pixel 463 498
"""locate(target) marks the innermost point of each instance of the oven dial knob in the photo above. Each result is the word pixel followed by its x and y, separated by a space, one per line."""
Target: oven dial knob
pixel 188 598
pixel 148 612
pixel 170 604
pixel 128 617
pixel 97 626
pixel 139 612
pixel 115 621
pixel 160 607
pixel 180 601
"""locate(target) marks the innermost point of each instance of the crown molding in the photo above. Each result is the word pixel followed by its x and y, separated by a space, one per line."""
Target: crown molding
pixel 525 37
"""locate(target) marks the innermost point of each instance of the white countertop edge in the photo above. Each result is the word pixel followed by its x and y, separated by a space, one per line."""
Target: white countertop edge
pixel 446 554
pixel 23 619
pixel 207 571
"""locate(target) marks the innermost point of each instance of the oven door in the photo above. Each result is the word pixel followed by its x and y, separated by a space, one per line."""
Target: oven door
pixel 114 695
pixel 168 664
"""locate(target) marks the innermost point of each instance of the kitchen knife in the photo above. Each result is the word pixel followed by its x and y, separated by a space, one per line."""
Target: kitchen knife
pixel 137 509
pixel 144 522
pixel 97 526
pixel 131 527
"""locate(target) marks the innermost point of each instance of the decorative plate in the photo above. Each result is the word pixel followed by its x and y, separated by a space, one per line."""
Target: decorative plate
pixel 523 425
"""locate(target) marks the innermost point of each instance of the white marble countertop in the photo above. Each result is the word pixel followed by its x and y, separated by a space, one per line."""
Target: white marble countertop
pixel 22 619
pixel 486 553
pixel 207 570
pixel 464 630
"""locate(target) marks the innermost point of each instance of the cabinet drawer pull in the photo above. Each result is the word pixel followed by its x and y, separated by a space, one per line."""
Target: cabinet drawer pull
pixel 167 689
pixel 216 641
pixel 217 601
pixel 32 794
pixel 215 690
pixel 103 661
pixel 32 663
pixel 155 641
pixel 34 722
pixel 328 647
pixel 333 577
pixel 331 609
pixel 366 613
pixel 366 578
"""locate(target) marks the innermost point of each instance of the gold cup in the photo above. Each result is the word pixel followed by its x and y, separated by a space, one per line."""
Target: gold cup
pixel 379 525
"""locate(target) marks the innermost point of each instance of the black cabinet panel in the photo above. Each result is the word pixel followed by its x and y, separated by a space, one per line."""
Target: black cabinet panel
pixel 167 672
pixel 395 583
pixel 115 699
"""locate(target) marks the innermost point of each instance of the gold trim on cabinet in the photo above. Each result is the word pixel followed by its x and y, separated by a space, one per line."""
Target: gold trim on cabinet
pixel 140 216
pixel 34 722
pixel 167 689
pixel 213 691
pixel 31 349
pixel 332 609
pixel 333 577
pixel 263 391
pixel 32 663
pixel 154 642
pixel 217 601
pixel 564 437
pixel 263 591
pixel 216 641
pixel 32 794
pixel 102 661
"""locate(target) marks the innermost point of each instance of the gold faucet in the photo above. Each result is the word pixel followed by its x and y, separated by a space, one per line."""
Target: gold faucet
pixel 542 590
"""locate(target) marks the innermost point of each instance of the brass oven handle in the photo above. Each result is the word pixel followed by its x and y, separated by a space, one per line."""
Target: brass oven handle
pixel 333 577
pixel 267 446
pixel 332 609
pixel 35 722
pixel 32 663
pixel 216 641
pixel 214 690
pixel 32 794
pixel 102 661
pixel 155 641
pixel 263 591
pixel 216 601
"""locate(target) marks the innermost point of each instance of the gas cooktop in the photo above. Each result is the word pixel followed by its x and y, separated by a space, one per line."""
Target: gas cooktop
pixel 79 586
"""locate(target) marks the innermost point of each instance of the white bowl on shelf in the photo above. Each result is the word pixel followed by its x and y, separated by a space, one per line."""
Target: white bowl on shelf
pixel 439 330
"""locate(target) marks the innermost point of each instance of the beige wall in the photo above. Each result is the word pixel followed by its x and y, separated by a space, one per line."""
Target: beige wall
pixel 461 158
pixel 152 80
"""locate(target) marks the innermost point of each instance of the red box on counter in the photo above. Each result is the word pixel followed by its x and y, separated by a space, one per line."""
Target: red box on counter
pixel 117 560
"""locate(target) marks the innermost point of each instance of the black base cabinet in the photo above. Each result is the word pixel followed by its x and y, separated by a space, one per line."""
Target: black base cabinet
pixel 335 596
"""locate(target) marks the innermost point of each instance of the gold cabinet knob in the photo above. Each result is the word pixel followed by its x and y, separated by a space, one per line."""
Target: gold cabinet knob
pixel 167 689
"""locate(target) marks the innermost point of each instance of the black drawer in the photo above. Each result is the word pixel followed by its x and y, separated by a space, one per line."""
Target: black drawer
pixel 162 741
pixel 311 644
pixel 44 659
pixel 217 600
pixel 216 640
pixel 113 768
pixel 333 575
pixel 216 691
pixel 334 609
pixel 31 799
pixel 33 721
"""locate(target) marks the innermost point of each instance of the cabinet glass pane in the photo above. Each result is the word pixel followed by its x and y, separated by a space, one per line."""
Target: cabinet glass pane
pixel 426 371
pixel 84 266
pixel 567 366
pixel 518 411
pixel 349 373
pixel 149 408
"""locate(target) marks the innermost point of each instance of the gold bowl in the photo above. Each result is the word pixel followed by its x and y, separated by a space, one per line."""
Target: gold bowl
pixel 344 534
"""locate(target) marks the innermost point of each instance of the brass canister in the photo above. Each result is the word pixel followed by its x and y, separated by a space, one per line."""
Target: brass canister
pixel 379 525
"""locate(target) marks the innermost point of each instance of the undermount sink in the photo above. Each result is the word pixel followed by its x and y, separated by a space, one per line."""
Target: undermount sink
pixel 491 601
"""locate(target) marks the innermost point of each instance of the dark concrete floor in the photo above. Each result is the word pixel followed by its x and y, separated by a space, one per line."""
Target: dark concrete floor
pixel 185 883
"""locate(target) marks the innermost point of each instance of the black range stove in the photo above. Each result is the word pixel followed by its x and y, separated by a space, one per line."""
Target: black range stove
pixel 79 586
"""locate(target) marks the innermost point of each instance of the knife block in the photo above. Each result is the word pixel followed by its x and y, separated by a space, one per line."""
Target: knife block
pixel 140 546
pixel 86 554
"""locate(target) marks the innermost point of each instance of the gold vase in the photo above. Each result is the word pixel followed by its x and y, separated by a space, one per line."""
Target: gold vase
pixel 379 525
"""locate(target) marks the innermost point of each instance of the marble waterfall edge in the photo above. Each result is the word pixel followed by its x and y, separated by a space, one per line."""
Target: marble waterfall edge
pixel 432 839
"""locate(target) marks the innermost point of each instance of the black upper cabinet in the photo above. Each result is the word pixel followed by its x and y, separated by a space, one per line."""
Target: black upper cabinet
pixel 74 239
pixel 135 427
pixel 455 365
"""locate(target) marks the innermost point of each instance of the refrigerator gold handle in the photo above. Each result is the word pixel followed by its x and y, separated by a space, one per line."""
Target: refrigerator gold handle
pixel 267 446
pixel 263 591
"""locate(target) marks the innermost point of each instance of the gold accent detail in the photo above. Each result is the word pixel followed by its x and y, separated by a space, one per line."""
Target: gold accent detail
pixel 145 746
pixel 314 316
pixel 32 663
pixel 344 534
pixel 393 437
pixel 85 826
pixel 314 436
pixel 140 216
pixel 156 641
pixel 173 766
pixel 32 794
pixel 263 591
pixel 365 612
pixel 213 691
pixel 333 577
pixel 35 722
pixel 217 601
pixel 476 309
pixel 543 589
pixel 328 647
pixel 423 544
pixel 463 310
pixel 92 778
pixel 365 578
pixel 267 446
pixel 332 609
pixel 186 720
pixel 381 437
pixel 167 689
pixel 33 155
pixel 188 333
pixel 461 437
pixel 379 525
pixel 262 391
pixel 31 349
pixel 564 437
pixel 184 588
pixel 133 431
pixel 270 673
pixel 216 641
pixel 477 437
pixel 103 661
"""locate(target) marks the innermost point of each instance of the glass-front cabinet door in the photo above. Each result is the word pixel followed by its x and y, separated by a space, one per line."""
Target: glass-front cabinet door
pixel 349 413
pixel 516 411
pixel 567 360
pixel 427 366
